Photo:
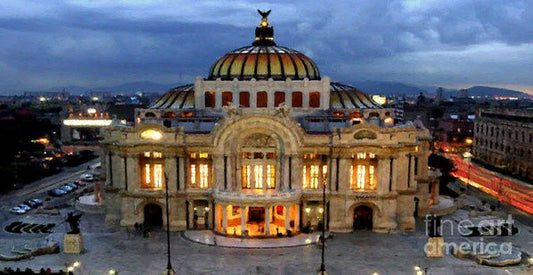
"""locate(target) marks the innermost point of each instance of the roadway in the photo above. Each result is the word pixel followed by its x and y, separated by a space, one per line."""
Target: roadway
pixel 39 189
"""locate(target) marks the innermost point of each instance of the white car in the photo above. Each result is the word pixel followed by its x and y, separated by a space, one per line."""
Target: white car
pixel 23 206
pixel 17 210
pixel 87 177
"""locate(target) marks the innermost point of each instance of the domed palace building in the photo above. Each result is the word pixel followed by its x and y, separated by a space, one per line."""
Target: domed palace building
pixel 248 149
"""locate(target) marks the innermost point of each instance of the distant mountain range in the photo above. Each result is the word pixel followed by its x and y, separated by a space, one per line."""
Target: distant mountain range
pixel 372 87
pixel 139 86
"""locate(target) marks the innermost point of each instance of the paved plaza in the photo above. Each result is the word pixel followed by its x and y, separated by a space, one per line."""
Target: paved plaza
pixel 128 252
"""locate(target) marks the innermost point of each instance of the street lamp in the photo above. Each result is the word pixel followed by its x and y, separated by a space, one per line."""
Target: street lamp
pixel 169 270
pixel 335 131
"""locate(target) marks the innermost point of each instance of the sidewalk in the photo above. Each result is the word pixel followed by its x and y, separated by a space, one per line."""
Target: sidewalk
pixel 208 237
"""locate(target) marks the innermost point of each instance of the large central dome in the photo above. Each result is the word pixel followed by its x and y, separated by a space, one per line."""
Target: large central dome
pixel 264 60
pixel 262 63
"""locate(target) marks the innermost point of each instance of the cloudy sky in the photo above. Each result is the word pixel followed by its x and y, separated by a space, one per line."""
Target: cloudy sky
pixel 451 43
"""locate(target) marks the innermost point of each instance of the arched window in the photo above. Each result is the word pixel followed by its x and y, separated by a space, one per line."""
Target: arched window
pixel 244 99
pixel 227 98
pixel 149 114
pixel 262 99
pixel 152 170
pixel 279 98
pixel 314 99
pixel 296 99
pixel 363 172
pixel 209 98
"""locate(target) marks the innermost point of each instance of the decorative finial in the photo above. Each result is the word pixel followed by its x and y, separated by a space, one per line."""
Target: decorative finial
pixel 264 33
pixel 264 20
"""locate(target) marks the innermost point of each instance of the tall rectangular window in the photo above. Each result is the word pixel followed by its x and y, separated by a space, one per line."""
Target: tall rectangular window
pixel 262 99
pixel 271 176
pixel 279 98
pixel 363 175
pixel 209 99
pixel 315 171
pixel 296 99
pixel 246 177
pixel 227 98
pixel 152 170
pixel 244 99
pixel 200 170
pixel 314 99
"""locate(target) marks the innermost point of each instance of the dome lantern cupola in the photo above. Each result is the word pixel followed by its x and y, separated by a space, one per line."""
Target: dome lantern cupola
pixel 264 33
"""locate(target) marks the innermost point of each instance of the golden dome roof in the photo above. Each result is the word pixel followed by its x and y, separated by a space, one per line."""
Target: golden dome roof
pixel 262 63
pixel 264 60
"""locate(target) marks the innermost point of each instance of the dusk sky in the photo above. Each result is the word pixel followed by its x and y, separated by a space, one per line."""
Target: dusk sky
pixel 450 43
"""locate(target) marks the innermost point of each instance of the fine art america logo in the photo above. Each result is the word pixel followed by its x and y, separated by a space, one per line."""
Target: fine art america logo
pixel 436 226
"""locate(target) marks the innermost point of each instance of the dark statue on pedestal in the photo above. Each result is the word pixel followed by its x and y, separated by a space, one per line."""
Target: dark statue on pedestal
pixel 73 221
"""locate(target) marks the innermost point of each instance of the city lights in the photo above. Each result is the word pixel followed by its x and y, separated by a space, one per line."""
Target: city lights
pixel 87 122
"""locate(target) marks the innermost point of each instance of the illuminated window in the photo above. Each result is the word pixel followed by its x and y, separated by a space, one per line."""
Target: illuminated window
pixel 258 170
pixel 363 176
pixel 200 170
pixel 315 171
pixel 271 177
pixel 151 134
pixel 246 177
pixel 152 170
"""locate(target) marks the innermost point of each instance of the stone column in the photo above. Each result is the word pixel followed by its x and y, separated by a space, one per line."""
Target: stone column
pixel 215 214
pixel 218 161
pixel 224 219
pixel 287 218
pixel 133 176
pixel 383 174
pixel 182 169
pixel 218 99
pixel 267 220
pixel 344 174
pixel 190 218
pixel 243 219
pixel 297 217
pixel 170 171
pixel 253 99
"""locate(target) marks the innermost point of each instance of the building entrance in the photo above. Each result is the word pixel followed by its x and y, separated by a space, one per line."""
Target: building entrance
pixel 153 215
pixel 362 218
pixel 256 215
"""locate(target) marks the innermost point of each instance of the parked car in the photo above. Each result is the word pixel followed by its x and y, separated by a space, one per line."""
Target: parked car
pixel 74 186
pixel 66 188
pixel 31 204
pixel 80 183
pixel 17 210
pixel 87 177
pixel 56 192
pixel 39 202
pixel 23 206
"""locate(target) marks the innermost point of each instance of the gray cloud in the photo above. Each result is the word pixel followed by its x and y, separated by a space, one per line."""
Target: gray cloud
pixel 93 43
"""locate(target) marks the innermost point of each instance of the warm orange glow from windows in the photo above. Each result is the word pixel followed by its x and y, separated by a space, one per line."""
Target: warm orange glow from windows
pixel 152 170
pixel 151 134
pixel 363 174
pixel 200 170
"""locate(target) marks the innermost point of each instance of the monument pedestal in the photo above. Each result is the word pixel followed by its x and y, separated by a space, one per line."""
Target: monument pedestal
pixel 434 247
pixel 73 244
